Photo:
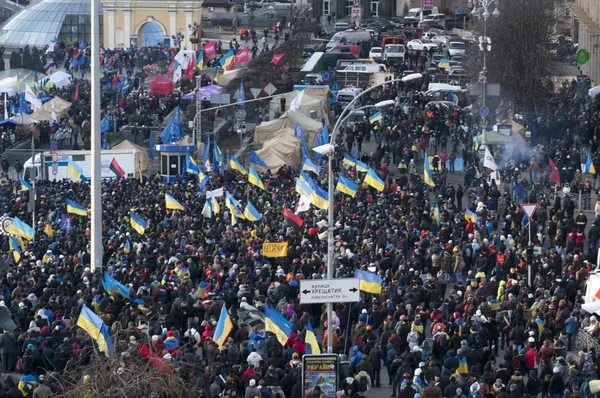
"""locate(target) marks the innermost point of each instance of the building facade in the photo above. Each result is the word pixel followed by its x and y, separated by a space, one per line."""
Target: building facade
pixel 586 32
pixel 126 22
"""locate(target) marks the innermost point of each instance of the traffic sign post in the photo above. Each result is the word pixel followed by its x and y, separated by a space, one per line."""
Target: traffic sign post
pixel 322 291
pixel 457 11
pixel 582 56
pixel 529 210
pixel 484 111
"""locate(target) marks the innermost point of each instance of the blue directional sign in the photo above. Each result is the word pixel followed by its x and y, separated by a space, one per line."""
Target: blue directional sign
pixel 484 111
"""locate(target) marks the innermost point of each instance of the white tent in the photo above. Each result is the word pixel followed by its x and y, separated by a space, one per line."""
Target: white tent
pixel 60 79
pixel 24 119
pixel 141 153
pixel 228 76
pixel 12 80
pixel 268 130
pixel 594 91
pixel 309 103
pixel 45 112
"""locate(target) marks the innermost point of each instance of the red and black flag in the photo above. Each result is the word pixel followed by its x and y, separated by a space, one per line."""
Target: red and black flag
pixel 293 220
pixel 115 168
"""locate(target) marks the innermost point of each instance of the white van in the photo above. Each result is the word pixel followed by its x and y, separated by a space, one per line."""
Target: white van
pixel 414 14
pixel 350 37
pixel 346 95
pixel 366 68
pixel 438 19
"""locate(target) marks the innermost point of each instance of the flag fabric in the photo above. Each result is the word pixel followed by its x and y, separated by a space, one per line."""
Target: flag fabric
pixel 303 188
pixel 349 160
pixel 319 79
pixel 436 214
pixel 308 165
pixel 234 164
pixel 227 60
pixel 215 205
pixel 489 161
pixel 21 229
pixel 230 201
pixel 5 108
pixel 375 117
pixel 277 58
pixel 76 208
pixel 346 186
pixel 138 223
pixel 35 102
pixel 95 327
pixel 206 153
pixel 76 95
pixel 296 102
pixel 369 282
pixel 463 367
pixel 277 324
pixel 217 157
pixel 114 287
pixel 254 179
pixel 251 213
pixel 373 180
pixel 151 146
pixel 190 165
pixel 14 246
pixel 310 340
pixel 319 197
pixel 116 168
pixel 216 76
pixel 48 230
pixel 207 210
pixel 303 204
pixel 25 186
pixel 200 64
pixel 470 216
pixel 256 160
pixel 298 132
pixel 293 220
pixel 242 98
pixel 76 171
pixel 127 247
pixel 172 204
pixel 427 175
pixel 224 327
pixel 476 143
pixel 555 176
pixel 241 56
pixel 189 70
pixel 589 164
pixel 210 49
pixel 454 98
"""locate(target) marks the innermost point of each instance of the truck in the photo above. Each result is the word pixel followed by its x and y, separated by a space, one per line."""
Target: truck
pixel 393 49
pixel 54 165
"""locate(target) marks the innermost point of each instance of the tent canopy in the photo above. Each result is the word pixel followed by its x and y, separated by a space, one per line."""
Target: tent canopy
pixel 24 119
pixel 283 149
pixel 141 153
pixel 45 112
pixel 11 85
pixel 594 91
pixel 495 138
pixel 228 76
pixel 161 85
pixel 60 79
pixel 267 130
pixel 309 103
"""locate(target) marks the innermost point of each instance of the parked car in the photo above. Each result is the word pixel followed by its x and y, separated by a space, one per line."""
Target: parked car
pixel 456 48
pixel 376 53
pixel 457 71
pixel 440 39
pixel 436 60
pixel 418 45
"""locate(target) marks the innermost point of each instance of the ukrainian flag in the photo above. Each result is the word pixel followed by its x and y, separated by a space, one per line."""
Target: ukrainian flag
pixel 436 214
pixel 114 287
pixel 21 229
pixel 25 186
pixel 310 340
pixel 127 247
pixel 138 223
pixel 349 160
pixel 254 179
pixel 235 214
pixel 14 246
pixel 304 177
pixel 76 171
pixel 215 206
pixel 235 165
pixel 470 216
pixel 369 282
pixel 230 201
pixel 217 156
pixel 202 289
pixel 48 230
pixel 97 330
pixel 303 188
pixel 463 368
pixel 191 165
pixel 216 76
pixel 319 197
pixel 373 180
pixel 476 143
pixel 362 167
pixel 589 165
pixel 76 208
pixel 375 117
pixel 251 213
pixel 444 63
pixel 171 203
pixel 427 175
pixel 227 60
pixel 454 98
pixel 207 211
pixel 3 180
pixel 308 165
pixel 346 186
pixel 200 64
pixel 27 384
pixel 277 324
pixel 224 327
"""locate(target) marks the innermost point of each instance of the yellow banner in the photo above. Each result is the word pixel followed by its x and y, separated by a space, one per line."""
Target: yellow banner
pixel 275 249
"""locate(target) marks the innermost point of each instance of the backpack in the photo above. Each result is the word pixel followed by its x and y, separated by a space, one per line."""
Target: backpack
pixel 363 384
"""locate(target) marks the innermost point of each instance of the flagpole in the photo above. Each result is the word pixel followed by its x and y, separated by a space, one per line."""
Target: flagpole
pixel 96 183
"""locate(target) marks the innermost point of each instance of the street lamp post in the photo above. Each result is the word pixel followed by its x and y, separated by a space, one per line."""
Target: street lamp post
pixel 329 150
pixel 481 10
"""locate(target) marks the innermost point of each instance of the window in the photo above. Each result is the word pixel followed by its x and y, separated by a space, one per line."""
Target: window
pixel 375 9
pixel 326 7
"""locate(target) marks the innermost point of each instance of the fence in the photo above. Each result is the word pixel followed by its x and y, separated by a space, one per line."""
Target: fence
pixel 584 342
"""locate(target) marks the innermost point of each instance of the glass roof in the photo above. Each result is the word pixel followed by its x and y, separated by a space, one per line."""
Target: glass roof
pixel 37 25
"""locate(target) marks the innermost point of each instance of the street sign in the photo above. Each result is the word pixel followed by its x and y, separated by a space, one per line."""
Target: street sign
pixel 270 89
pixel 54 146
pixel 220 99
pixel 427 4
pixel 529 209
pixel 355 14
pixel 255 92
pixel 582 56
pixel 319 291
pixel 320 370
pixel 54 168
pixel 457 11
pixel 484 111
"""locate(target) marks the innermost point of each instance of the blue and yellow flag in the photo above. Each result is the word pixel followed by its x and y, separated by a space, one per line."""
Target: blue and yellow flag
pixel 138 223
pixel 207 211
pixel 346 186
pixel 349 160
pixel 217 157
pixel 230 201
pixel 373 180
pixel 303 188
pixel 114 287
pixel 308 165
pixel 310 340
pixel 172 204
pixel 476 142
pixel 235 165
pixel 589 165
pixel 216 208
pixel 190 164
pixel 463 368
pixel 254 179
pixel 14 246
pixel 76 171
pixel 375 117
pixel 319 197
pixel 427 175
pixel 251 213
pixel 470 216
pixel 369 282
pixel 76 208
pixel 25 186
pixel 454 98
pixel 224 327
pixel 436 214
pixel 127 247
pixel 255 159
pixel 21 229
pixel 277 324
pixel 97 330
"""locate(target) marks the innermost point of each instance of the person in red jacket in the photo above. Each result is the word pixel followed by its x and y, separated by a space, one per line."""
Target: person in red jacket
pixel 531 358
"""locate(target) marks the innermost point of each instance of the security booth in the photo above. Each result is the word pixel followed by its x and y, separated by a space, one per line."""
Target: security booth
pixel 172 159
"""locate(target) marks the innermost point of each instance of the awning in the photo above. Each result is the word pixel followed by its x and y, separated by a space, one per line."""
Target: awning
pixel 584 18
